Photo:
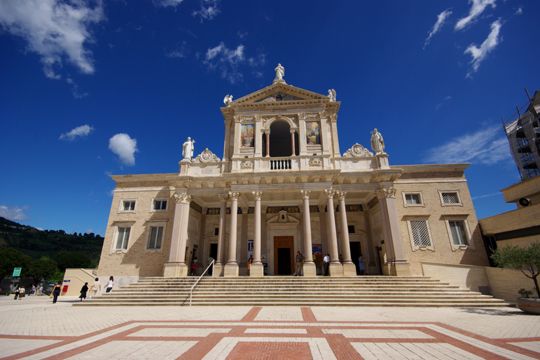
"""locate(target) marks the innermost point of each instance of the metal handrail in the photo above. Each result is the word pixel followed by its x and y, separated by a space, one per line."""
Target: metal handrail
pixel 199 279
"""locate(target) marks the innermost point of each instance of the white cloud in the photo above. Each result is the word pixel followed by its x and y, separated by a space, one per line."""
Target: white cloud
pixel 441 19
pixel 79 131
pixel 519 11
pixel 226 61
pixel 208 10
pixel 53 29
pixel 124 147
pixel 477 8
pixel 168 3
pixel 485 146
pixel 478 54
pixel 446 99
pixel 487 195
pixel 12 213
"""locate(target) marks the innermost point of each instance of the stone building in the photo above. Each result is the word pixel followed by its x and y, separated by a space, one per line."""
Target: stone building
pixel 282 186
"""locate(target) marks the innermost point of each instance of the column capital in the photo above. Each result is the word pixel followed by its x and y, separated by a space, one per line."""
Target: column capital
pixel 330 193
pixel 257 194
pixel 341 195
pixel 182 198
pixel 386 193
pixel 234 195
pixel 305 194
pixel 292 130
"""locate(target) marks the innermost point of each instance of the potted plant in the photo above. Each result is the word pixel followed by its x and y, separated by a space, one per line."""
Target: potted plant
pixel 526 260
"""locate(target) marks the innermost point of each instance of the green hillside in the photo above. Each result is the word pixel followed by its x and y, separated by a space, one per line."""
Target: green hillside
pixel 38 249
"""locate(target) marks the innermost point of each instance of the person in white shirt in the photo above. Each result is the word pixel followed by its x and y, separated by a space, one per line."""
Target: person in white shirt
pixel 96 288
pixel 326 265
pixel 110 285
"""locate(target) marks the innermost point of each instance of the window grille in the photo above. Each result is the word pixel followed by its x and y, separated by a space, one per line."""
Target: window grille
pixel 156 236
pixel 420 233
pixel 450 198
pixel 459 233
pixel 123 238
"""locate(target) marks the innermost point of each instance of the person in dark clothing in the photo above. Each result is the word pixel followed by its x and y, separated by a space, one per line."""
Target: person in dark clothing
pixel 84 290
pixel 56 291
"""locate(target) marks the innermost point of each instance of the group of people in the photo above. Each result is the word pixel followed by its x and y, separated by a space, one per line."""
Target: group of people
pixel 20 291
pixel 95 289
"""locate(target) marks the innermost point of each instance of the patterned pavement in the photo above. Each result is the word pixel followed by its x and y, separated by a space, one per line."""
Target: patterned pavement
pixel 263 333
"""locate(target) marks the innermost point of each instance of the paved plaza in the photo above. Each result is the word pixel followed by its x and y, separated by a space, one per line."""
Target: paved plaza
pixel 33 328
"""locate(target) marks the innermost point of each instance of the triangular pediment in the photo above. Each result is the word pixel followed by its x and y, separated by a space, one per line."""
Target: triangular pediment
pixel 279 92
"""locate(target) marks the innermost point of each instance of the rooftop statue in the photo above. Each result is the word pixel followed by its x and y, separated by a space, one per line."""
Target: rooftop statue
pixel 280 73
pixel 377 142
pixel 187 149
pixel 332 94
pixel 227 100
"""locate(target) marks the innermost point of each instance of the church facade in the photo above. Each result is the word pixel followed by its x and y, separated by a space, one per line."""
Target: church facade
pixel 283 186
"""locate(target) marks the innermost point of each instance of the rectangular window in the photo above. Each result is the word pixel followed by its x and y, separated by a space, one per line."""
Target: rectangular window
pixel 216 231
pixel 123 238
pixel 412 199
pixel 459 232
pixel 156 237
pixel 128 205
pixel 160 205
pixel 450 198
pixel 352 230
pixel 420 233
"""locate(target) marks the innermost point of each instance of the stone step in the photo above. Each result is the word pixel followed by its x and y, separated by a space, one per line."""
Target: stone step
pixel 301 303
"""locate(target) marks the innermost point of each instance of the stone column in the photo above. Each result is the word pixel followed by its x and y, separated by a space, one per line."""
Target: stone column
pixel 309 265
pixel 349 269
pixel 231 268
pixel 257 268
pixel 176 266
pixel 293 151
pixel 267 133
pixel 396 257
pixel 218 267
pixel 336 269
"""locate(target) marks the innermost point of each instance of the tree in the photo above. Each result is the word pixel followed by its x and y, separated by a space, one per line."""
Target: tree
pixel 43 268
pixel 526 260
pixel 11 258
pixel 72 259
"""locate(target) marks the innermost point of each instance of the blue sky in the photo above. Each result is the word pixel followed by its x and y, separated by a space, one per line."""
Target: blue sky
pixel 89 89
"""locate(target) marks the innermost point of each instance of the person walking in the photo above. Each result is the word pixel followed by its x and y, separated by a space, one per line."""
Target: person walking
pixel 16 293
pixel 84 290
pixel 361 266
pixel 96 288
pixel 22 292
pixel 110 284
pixel 249 263
pixel 56 291
pixel 326 264
pixel 299 264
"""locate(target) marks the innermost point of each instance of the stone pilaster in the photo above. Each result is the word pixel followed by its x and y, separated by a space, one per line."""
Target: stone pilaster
pixel 231 268
pixel 395 253
pixel 309 265
pixel 336 269
pixel 257 268
pixel 176 266
pixel 349 269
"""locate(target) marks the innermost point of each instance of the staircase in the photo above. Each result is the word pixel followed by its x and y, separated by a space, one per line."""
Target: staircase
pixel 274 290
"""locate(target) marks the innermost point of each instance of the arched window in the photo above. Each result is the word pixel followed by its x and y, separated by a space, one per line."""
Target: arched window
pixel 280 140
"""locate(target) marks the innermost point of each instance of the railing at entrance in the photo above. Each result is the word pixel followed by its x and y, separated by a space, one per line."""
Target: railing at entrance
pixel 280 164
pixel 199 279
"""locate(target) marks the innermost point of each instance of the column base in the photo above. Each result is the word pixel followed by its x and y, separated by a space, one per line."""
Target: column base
pixel 336 269
pixel 349 269
pixel 218 270
pixel 231 270
pixel 175 269
pixel 309 269
pixel 256 270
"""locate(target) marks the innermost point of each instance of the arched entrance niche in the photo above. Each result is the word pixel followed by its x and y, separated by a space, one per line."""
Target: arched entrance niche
pixel 281 141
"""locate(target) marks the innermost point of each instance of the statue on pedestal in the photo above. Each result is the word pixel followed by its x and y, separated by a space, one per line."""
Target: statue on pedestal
pixel 187 149
pixel 280 73
pixel 227 100
pixel 332 95
pixel 377 142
